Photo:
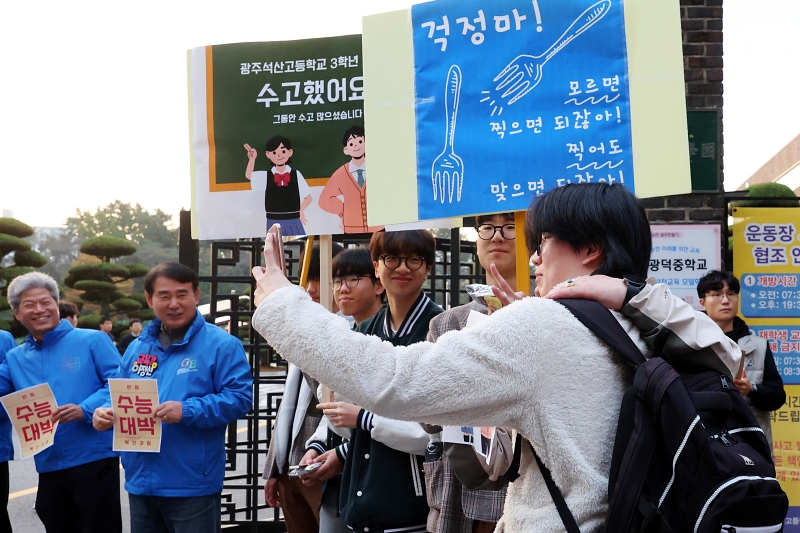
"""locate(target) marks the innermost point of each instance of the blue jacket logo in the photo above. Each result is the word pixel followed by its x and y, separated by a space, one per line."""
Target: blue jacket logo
pixel 187 365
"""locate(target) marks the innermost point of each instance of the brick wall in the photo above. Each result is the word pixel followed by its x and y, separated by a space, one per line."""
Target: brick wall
pixel 701 22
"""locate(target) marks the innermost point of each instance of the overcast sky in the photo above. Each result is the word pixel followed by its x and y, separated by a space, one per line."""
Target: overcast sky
pixel 93 104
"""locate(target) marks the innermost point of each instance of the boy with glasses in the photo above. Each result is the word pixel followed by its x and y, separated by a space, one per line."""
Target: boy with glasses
pixel 760 383
pixel 382 484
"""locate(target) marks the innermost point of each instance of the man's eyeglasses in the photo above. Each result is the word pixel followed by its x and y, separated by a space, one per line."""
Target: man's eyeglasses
pixel 350 282
pixel 392 262
pixel 719 295
pixel 488 231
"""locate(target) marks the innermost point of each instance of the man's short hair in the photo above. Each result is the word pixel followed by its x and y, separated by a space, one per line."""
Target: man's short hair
pixel 134 321
pixel 485 219
pixel 354 262
pixel 714 280
pixel 313 266
pixel 355 131
pixel 104 319
pixel 31 280
pixel 418 242
pixel 174 271
pixel 605 215
pixel 67 310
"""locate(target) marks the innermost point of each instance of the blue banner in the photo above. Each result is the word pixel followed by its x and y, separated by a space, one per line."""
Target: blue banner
pixel 770 295
pixel 516 97
pixel 784 341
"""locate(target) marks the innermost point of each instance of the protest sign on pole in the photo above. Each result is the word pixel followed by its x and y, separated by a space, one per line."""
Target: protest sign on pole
pixel 30 411
pixel 490 104
pixel 134 403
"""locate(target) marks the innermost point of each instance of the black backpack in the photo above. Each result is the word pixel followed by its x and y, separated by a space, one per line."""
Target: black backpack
pixel 688 455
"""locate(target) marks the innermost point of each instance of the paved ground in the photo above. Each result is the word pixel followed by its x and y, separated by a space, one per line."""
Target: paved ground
pixel 24 480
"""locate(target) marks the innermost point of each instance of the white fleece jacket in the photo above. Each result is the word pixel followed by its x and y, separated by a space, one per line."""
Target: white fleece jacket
pixel 531 367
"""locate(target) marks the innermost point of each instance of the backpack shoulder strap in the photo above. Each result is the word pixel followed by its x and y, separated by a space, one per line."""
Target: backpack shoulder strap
pixel 558 499
pixel 602 323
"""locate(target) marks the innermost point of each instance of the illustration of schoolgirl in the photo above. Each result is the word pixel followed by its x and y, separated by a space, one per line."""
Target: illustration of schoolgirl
pixel 287 194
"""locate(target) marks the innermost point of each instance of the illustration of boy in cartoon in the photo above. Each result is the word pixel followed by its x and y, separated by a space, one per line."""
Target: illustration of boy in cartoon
pixel 287 194
pixel 345 194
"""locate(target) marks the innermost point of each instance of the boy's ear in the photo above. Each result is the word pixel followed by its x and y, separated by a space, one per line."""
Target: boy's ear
pixel 344 150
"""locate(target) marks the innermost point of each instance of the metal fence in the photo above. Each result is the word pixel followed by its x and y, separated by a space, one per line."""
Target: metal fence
pixel 228 283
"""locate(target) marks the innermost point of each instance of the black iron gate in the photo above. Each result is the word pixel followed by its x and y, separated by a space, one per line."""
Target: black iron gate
pixel 227 283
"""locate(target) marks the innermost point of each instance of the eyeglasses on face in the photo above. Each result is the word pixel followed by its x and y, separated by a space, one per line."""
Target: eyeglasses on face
pixel 487 231
pixel 719 295
pixel 392 262
pixel 349 281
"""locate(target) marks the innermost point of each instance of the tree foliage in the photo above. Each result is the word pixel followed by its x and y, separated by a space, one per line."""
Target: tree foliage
pixel 125 221
pixel 772 190
pixel 107 247
pixel 29 258
pixel 12 226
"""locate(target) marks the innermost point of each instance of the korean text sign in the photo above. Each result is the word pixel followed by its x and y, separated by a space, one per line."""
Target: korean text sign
pixel 30 411
pixel 514 98
pixel 682 254
pixel 766 258
pixel 134 403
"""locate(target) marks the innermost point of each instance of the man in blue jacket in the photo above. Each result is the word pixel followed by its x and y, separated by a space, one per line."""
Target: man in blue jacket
pixel 7 342
pixel 79 473
pixel 204 383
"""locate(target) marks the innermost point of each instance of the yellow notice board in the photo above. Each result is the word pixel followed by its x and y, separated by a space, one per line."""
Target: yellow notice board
pixel 766 259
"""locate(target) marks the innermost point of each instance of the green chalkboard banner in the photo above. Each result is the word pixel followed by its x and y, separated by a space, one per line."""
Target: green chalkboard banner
pixel 704 148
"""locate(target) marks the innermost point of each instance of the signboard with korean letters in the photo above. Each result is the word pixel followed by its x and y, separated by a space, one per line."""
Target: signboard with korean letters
pixel 278 137
pixel 766 259
pixel 134 402
pixel 682 254
pixel 30 411
pixel 500 84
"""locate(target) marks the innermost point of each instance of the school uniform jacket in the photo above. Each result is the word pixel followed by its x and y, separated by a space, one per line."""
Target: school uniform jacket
pixel 383 487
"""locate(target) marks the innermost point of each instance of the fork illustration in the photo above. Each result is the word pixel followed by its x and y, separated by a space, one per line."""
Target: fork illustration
pixel 447 172
pixel 524 73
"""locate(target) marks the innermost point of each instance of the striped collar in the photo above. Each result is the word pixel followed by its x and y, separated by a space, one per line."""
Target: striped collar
pixel 411 318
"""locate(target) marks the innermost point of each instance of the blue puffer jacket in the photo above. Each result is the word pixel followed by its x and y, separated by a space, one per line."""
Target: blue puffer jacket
pixel 208 372
pixel 7 342
pixel 77 364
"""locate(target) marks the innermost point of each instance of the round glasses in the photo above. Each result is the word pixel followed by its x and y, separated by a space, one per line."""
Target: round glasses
pixel 350 282
pixel 392 262
pixel 487 231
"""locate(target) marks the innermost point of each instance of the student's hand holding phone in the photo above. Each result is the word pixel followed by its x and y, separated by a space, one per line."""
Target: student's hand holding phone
pixel 332 467
pixel 270 277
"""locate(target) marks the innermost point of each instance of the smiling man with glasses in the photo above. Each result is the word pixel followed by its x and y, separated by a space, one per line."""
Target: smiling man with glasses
pixel 760 383
pixel 382 483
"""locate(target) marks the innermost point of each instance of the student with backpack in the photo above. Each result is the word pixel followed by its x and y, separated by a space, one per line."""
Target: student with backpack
pixel 532 366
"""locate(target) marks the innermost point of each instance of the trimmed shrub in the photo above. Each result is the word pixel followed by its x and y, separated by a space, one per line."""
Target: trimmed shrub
pixel 29 258
pixel 125 305
pixel 12 226
pixel 89 321
pixel 10 243
pixel 107 247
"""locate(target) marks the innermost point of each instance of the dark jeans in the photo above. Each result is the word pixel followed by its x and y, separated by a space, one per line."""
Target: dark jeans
pixel 162 514
pixel 81 499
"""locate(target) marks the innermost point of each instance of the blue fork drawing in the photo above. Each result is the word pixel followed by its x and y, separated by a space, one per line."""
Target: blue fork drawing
pixel 447 172
pixel 524 72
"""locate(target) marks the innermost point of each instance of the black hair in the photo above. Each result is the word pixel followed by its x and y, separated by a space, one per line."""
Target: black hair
pixel 174 271
pixel 419 242
pixel 355 131
pixel 354 262
pixel 104 319
pixel 485 219
pixel 66 309
pixel 715 280
pixel 313 266
pixel 134 321
pixel 277 140
pixel 594 213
